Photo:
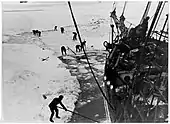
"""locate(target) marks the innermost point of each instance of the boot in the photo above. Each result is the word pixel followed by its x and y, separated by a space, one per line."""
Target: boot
pixel 52 120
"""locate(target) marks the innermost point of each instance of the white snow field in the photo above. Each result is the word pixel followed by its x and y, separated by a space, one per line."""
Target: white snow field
pixel 25 77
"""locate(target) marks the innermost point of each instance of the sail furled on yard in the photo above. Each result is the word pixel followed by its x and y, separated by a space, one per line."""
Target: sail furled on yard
pixel 119 23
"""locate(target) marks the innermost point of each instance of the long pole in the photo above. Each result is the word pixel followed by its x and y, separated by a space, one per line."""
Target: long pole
pixel 163 26
pixel 80 115
pixel 71 50
pixel 112 26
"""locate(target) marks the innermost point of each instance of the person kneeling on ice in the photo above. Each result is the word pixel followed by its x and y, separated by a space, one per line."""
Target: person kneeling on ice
pixel 53 106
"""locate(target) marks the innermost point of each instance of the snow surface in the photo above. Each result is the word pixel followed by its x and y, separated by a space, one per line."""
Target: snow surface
pixel 25 77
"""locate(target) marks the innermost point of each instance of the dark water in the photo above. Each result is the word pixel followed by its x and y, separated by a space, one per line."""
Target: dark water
pixel 90 102
pixel 93 110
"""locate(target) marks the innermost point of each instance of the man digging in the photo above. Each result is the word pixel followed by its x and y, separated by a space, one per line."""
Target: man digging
pixel 53 107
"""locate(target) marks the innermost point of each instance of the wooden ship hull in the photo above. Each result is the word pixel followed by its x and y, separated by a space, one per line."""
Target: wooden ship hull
pixel 136 71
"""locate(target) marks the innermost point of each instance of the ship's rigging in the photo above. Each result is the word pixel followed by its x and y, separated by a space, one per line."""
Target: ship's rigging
pixel 135 70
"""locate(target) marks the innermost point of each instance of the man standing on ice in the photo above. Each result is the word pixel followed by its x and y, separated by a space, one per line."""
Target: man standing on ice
pixel 53 107
pixel 74 36
pixel 62 30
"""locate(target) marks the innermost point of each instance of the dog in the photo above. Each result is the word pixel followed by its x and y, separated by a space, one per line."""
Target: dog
pixel 78 48
pixel 62 30
pixel 63 50
pixel 36 33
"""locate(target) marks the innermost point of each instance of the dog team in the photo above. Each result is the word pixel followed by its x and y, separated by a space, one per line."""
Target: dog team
pixel 78 48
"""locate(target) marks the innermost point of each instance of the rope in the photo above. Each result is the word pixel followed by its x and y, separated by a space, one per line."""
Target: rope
pixel 80 115
pixel 87 57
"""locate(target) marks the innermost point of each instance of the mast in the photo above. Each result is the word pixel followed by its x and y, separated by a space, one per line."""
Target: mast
pixel 155 17
pixel 112 26
pixel 124 8
pixel 159 16
pixel 147 61
pixel 146 11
